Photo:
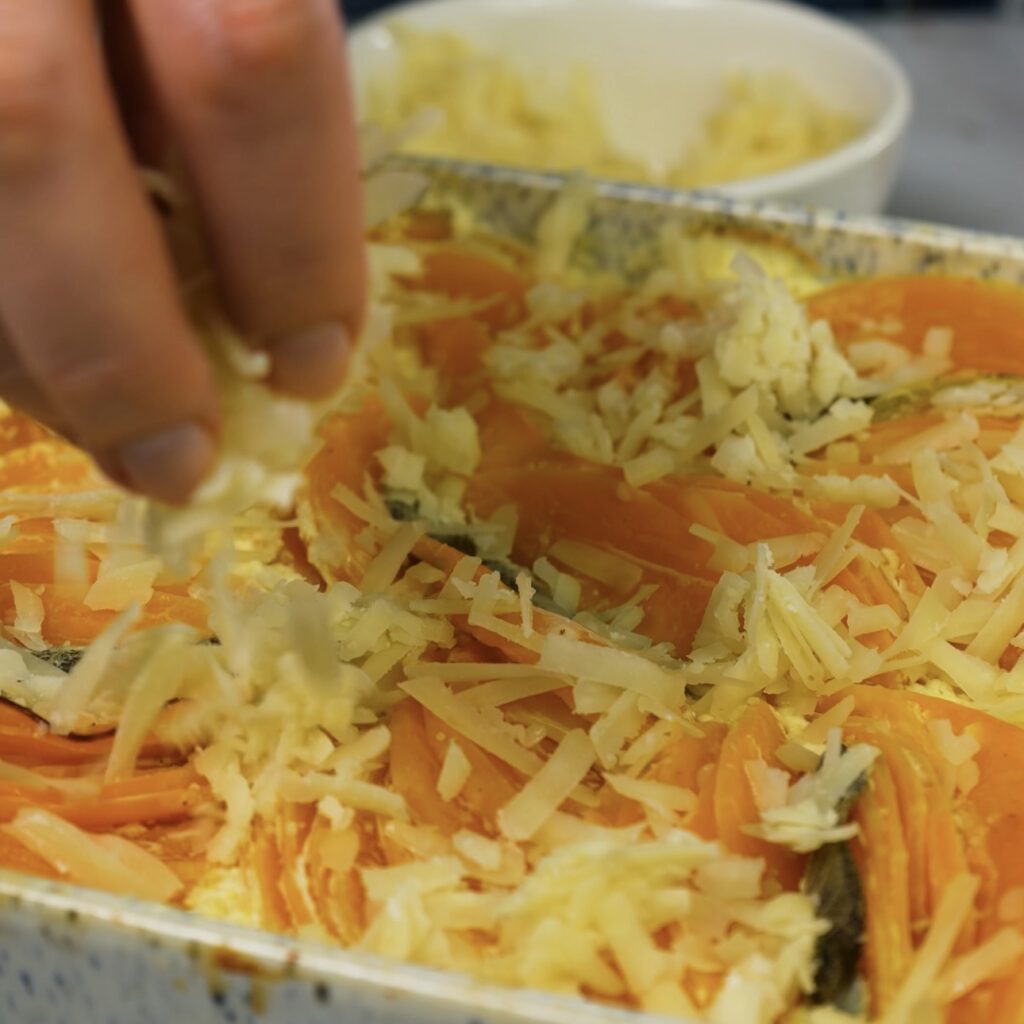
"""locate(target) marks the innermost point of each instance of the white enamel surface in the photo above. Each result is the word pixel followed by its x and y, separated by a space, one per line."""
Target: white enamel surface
pixel 69 954
pixel 659 67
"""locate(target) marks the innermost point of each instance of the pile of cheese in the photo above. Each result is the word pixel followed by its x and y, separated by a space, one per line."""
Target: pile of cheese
pixel 455 100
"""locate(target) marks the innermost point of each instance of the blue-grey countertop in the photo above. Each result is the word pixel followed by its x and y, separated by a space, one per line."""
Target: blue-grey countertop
pixel 964 162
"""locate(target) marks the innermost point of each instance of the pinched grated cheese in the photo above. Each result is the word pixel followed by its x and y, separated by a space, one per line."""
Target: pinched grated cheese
pixel 261 436
pixel 264 437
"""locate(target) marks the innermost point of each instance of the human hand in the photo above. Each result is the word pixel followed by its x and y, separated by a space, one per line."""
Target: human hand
pixel 253 96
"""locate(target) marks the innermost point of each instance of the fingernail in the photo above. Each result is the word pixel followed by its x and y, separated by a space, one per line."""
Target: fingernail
pixel 310 363
pixel 168 465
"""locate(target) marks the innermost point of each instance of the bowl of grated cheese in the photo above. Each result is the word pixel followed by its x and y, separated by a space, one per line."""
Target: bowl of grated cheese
pixel 757 99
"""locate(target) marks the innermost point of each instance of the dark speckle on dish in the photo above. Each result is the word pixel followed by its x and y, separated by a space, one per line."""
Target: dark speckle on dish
pixel 64 658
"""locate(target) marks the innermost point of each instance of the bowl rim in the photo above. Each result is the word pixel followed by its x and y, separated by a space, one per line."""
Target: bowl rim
pixel 883 132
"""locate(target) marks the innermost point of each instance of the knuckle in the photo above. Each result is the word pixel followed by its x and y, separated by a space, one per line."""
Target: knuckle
pixel 30 108
pixel 110 395
pixel 87 380
pixel 257 40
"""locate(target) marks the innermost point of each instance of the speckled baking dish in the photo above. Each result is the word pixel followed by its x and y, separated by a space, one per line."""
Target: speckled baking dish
pixel 70 954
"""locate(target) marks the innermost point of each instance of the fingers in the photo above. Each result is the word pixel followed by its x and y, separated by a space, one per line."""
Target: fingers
pixel 86 288
pixel 19 390
pixel 257 94
pixel 133 84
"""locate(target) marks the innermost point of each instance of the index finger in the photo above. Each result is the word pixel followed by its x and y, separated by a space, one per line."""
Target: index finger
pixel 86 287
pixel 257 95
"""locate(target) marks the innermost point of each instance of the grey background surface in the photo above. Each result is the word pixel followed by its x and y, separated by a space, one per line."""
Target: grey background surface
pixel 964 161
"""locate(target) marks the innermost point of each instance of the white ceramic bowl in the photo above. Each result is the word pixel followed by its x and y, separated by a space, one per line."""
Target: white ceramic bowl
pixel 659 66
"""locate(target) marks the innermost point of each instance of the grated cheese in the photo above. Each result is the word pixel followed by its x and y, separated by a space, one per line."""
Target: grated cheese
pixel 566 656
pixel 647 468
pixel 666 800
pixel 619 723
pixel 105 862
pixel 917 993
pixel 381 572
pixel 70 553
pixel 478 850
pixel 991 959
pixel 29 613
pixel 285 717
pixel 155 684
pixel 598 564
pixel 493 734
pixel 530 808
pixel 843 418
pixel 455 772
pixel 87 675
pixel 121 584
pixel 871 491
pixel 804 816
